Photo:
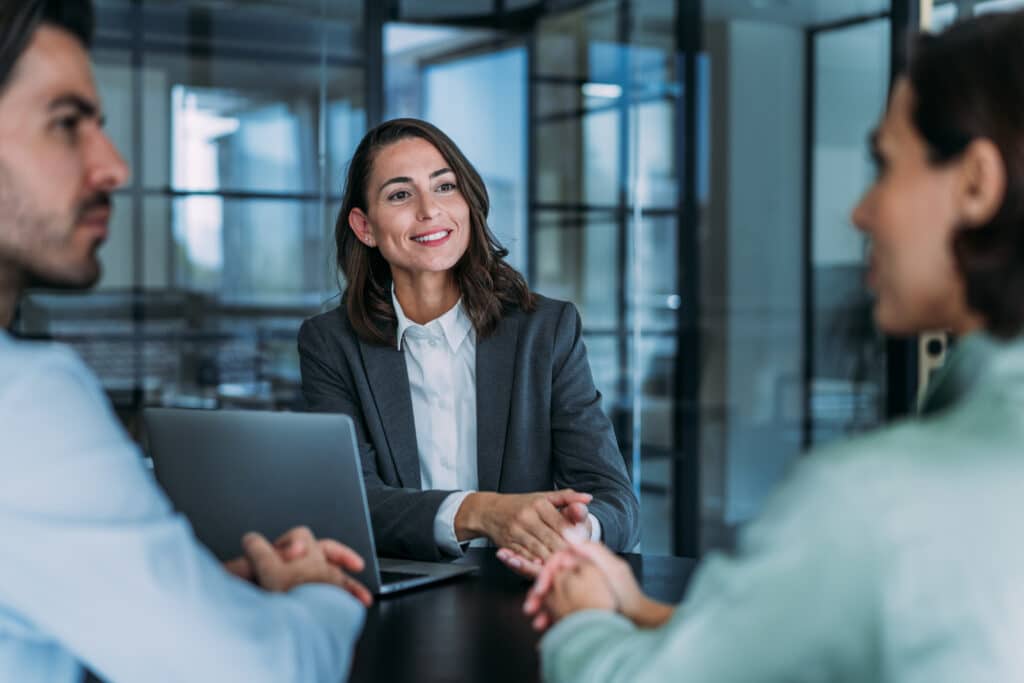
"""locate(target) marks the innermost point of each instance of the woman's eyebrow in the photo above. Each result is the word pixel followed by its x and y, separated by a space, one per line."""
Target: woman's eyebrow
pixel 407 179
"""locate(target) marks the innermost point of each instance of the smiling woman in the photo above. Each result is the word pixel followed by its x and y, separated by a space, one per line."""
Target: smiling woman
pixel 473 399
pixel 412 178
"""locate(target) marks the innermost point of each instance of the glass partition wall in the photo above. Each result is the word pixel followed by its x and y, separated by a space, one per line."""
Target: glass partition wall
pixel 679 170
pixel 237 123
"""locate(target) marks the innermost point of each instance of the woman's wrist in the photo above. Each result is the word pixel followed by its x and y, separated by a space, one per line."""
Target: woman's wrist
pixel 648 613
pixel 468 518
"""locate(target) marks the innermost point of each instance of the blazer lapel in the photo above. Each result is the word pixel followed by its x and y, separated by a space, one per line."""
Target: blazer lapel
pixel 389 382
pixel 495 368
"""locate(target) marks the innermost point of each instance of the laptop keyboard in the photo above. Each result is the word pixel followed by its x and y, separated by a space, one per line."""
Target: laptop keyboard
pixel 395 577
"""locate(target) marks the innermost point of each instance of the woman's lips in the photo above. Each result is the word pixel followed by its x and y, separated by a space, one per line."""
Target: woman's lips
pixel 871 277
pixel 433 238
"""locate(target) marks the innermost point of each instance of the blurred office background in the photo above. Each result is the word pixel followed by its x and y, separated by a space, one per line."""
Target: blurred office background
pixel 681 170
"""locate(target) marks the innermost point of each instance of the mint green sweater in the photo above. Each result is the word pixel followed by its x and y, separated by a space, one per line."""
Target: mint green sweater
pixel 897 556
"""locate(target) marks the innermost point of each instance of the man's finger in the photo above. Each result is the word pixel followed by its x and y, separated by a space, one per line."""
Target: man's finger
pixel 295 543
pixel 352 587
pixel 293 549
pixel 298 534
pixel 290 548
pixel 341 555
pixel 240 567
pixel 261 555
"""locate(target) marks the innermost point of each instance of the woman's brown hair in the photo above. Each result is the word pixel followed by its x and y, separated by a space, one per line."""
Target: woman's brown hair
pixel 968 83
pixel 489 286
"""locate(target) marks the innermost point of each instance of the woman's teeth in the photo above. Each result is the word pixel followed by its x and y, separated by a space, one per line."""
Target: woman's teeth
pixel 432 237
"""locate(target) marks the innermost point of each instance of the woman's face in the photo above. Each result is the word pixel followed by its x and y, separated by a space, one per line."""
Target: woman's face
pixel 910 213
pixel 416 214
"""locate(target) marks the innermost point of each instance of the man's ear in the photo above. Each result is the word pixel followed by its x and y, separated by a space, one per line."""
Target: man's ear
pixel 984 183
pixel 360 224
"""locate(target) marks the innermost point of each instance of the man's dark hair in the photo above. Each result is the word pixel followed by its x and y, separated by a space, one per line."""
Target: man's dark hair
pixel 968 83
pixel 19 20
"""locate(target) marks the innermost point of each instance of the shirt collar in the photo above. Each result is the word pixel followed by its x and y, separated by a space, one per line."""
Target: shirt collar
pixel 454 323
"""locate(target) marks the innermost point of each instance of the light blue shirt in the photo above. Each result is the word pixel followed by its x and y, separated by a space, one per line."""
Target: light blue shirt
pixel 96 568
pixel 897 556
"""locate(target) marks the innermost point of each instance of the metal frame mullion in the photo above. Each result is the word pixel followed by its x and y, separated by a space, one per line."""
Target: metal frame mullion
pixel 623 28
pixel 686 472
pixel 138 211
pixel 810 72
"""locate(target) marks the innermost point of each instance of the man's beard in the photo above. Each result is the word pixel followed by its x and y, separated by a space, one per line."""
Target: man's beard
pixel 100 200
pixel 42 234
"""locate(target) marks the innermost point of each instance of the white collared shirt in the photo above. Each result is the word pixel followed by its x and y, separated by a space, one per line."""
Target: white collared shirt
pixel 440 358
pixel 441 361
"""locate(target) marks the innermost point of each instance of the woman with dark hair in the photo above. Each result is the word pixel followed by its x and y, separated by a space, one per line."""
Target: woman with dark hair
pixel 475 409
pixel 896 556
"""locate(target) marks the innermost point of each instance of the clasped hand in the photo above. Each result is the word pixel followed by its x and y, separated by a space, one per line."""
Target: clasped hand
pixel 297 558
pixel 586 575
pixel 529 527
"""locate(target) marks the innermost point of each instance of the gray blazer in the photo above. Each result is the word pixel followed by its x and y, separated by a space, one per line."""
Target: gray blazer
pixel 540 422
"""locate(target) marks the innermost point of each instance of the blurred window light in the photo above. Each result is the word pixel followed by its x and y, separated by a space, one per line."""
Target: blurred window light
pixel 608 91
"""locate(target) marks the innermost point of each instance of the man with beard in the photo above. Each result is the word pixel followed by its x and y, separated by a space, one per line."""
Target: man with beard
pixel 95 568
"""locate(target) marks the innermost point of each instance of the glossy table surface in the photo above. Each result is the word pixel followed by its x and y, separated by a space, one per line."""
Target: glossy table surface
pixel 472 628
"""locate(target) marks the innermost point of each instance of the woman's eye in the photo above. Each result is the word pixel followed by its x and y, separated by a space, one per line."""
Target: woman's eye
pixel 398 196
pixel 446 187
pixel 877 162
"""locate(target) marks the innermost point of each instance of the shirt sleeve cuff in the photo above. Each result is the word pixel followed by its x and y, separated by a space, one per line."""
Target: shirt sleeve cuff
pixel 444 524
pixel 595 527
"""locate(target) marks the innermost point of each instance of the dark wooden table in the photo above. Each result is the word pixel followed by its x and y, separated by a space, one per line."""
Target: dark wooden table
pixel 472 628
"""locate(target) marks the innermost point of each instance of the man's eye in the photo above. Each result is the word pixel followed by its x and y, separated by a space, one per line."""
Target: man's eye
pixel 69 125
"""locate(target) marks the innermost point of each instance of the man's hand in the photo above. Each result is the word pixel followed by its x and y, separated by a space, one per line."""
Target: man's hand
pixel 528 524
pixel 299 558
pixel 290 546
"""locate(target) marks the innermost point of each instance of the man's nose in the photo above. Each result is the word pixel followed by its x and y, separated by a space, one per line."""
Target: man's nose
pixel 107 169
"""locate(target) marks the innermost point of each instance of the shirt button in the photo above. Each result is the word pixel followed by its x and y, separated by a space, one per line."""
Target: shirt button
pixel 433 342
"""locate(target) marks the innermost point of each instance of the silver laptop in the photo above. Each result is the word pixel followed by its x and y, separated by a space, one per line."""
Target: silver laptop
pixel 233 471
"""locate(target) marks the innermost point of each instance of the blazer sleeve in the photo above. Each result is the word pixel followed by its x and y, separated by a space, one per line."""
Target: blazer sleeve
pixel 584 450
pixel 402 517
